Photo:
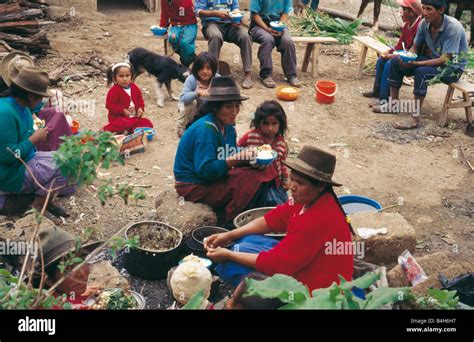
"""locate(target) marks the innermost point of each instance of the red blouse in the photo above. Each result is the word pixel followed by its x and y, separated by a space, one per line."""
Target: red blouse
pixel 317 247
pixel 118 100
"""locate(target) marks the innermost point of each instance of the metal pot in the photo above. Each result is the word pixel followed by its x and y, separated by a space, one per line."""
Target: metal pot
pixel 151 264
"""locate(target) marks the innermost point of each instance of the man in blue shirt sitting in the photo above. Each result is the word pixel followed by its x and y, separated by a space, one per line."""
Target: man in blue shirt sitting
pixel 441 46
pixel 217 27
pixel 264 12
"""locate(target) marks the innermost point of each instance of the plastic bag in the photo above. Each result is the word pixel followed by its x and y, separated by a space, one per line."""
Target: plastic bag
pixel 412 269
pixel 463 284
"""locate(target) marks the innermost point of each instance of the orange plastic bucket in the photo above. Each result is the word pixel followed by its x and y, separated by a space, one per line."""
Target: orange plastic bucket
pixel 325 91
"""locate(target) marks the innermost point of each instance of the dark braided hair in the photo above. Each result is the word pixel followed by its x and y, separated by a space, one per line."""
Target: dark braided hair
pixel 330 189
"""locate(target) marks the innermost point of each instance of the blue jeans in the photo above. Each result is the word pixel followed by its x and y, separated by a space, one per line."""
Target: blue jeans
pixel 382 70
pixel 314 4
pixel 182 39
pixel 422 75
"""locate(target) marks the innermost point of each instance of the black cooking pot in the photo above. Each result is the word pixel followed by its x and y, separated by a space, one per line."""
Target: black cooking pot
pixel 151 264
pixel 199 234
pixel 195 243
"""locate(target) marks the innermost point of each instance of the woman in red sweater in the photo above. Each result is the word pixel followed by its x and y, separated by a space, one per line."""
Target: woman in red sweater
pixel 315 224
pixel 124 101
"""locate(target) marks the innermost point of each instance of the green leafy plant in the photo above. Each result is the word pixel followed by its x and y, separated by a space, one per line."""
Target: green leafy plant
pixel 311 23
pixel 447 69
pixel 128 193
pixel 78 159
pixel 295 295
pixel 438 299
pixel 20 296
pixel 195 302
pixel 79 156
pixel 118 243
pixel 470 59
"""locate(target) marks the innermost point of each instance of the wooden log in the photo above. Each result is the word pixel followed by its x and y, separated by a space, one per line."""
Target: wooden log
pixel 22 15
pixel 351 17
pixel 21 31
pixel 25 24
pixel 32 4
pixel 9 8
pixel 38 40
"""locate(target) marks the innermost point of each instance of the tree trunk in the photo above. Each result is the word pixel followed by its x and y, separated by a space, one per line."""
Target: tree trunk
pixel 351 17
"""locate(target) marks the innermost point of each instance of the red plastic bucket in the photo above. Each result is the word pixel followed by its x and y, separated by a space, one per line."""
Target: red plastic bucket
pixel 325 91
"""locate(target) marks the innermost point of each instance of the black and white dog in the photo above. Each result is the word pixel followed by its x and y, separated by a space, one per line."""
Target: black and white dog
pixel 164 69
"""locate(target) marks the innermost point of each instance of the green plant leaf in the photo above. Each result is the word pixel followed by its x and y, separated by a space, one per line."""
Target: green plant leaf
pixel 283 287
pixel 386 295
pixel 195 302
pixel 313 304
pixel 363 282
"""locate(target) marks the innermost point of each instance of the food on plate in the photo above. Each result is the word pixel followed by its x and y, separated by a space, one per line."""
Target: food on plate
pixel 265 155
pixel 194 258
pixel 406 54
pixel 38 123
pixel 114 299
pixel 289 90
pixel 278 24
pixel 265 147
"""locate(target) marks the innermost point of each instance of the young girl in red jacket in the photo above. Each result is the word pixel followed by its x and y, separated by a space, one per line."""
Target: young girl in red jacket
pixel 124 101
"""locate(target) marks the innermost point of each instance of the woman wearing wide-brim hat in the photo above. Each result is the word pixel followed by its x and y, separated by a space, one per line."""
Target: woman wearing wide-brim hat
pixel 10 65
pixel 51 109
pixel 208 167
pixel 19 190
pixel 315 226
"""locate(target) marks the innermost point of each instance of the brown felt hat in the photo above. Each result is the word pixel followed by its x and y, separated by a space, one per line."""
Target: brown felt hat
pixel 223 89
pixel 33 80
pixel 12 63
pixel 315 163
pixel 55 243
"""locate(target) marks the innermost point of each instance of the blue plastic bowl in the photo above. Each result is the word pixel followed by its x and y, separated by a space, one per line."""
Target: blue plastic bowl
pixel 274 25
pixel 237 18
pixel 149 132
pixel 266 161
pixel 406 58
pixel 158 31
pixel 355 204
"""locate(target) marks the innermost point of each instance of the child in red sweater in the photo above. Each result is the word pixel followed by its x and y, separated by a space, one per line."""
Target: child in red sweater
pixel 124 101
pixel 179 14
pixel 270 127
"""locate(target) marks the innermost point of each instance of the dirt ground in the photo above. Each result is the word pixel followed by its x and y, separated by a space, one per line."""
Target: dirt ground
pixel 378 161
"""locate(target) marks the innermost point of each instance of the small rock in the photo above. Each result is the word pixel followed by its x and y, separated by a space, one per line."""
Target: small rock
pixel 192 215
